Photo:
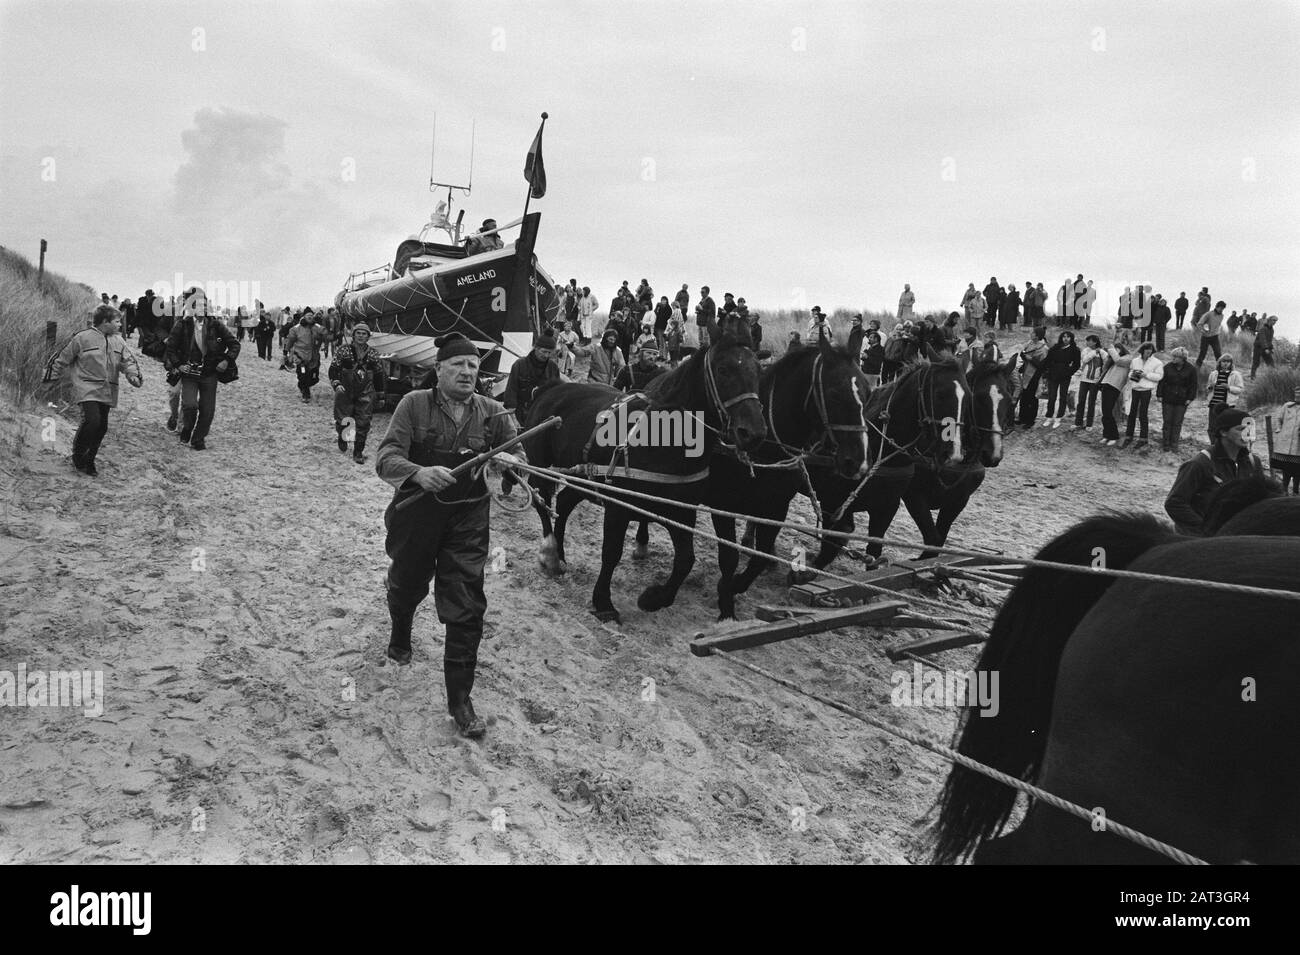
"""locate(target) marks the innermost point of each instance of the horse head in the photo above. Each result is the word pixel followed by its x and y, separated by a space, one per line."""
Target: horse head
pixel 731 379
pixel 944 416
pixel 990 384
pixel 839 392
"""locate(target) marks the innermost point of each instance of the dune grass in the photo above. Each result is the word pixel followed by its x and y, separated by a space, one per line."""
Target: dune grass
pixel 25 308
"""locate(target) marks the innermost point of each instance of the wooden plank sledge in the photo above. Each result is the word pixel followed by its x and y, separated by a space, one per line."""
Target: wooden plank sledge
pixel 898 575
pixel 797 625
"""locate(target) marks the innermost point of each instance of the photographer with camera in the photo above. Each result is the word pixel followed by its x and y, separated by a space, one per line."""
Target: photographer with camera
pixel 202 351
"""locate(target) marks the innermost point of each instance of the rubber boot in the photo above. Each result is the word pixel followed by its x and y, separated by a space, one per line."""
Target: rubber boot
pixel 359 449
pixel 460 682
pixel 343 445
pixel 399 640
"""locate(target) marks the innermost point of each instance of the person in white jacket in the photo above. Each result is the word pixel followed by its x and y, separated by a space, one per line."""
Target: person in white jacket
pixel 587 306
pixel 1092 362
pixel 1144 373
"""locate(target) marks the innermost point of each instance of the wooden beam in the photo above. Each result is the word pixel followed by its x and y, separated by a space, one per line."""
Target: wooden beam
pixel 898 575
pixel 802 625
pixel 936 644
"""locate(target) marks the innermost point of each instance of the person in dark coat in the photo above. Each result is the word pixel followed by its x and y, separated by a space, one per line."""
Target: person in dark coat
pixel 1059 366
pixel 441 536
pixel 706 313
pixel 1263 350
pixel 645 369
pixel 1008 307
pixel 199 349
pixel 1176 390
pixel 993 296
pixel 1227 460
pixel 1160 318
pixel 1180 309
pixel 527 375
pixel 354 374
pixel 663 312
pixel 264 334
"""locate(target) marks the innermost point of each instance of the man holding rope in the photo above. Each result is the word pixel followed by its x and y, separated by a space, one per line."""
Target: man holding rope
pixel 437 522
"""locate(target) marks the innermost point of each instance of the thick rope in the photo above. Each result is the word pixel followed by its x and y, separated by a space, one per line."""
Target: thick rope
pixel 1124 832
pixel 994 560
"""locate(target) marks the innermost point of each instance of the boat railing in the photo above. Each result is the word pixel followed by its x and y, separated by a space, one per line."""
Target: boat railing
pixel 359 280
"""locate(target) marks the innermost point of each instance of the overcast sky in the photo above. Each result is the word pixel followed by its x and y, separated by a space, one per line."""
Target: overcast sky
pixel 793 153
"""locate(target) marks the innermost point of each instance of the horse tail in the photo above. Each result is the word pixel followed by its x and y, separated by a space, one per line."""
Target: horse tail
pixel 1024 648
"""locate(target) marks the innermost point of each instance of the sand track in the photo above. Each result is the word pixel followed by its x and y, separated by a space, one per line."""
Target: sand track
pixel 234 600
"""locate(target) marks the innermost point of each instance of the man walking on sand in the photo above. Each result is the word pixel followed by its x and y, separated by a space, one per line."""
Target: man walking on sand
pixel 441 536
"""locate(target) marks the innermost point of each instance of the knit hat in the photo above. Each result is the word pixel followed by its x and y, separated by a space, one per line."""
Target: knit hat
pixel 361 327
pixel 1229 418
pixel 454 344
pixel 546 341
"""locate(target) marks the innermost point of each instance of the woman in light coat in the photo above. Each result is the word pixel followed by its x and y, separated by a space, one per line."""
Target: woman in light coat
pixel 1222 389
pixel 1144 373
pixel 97 356
pixel 1285 454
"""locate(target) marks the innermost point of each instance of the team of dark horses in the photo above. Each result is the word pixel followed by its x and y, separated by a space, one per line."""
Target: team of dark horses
pixel 809 423
pixel 1166 706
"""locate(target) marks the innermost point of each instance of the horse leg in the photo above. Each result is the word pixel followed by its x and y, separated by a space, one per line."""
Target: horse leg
pixel 919 507
pixel 748 539
pixel 764 540
pixel 881 514
pixel 548 553
pixel 657 595
pixel 611 552
pixel 728 559
pixel 642 549
pixel 567 500
pixel 831 546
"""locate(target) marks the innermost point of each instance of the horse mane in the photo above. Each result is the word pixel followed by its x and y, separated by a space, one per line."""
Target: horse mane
pixel 1025 645
pixel 680 387
pixel 1232 497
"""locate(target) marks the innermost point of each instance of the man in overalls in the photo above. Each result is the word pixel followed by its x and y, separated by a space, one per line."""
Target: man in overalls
pixel 442 536
pixel 353 374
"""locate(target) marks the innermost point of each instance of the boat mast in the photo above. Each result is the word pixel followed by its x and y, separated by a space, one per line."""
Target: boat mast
pixel 453 229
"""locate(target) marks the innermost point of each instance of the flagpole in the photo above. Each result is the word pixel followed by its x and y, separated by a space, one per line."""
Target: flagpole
pixel 529 197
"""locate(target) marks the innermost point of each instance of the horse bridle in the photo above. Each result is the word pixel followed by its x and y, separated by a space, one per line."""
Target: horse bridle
pixel 711 387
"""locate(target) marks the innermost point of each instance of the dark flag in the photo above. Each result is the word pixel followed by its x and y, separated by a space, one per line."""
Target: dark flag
pixel 534 171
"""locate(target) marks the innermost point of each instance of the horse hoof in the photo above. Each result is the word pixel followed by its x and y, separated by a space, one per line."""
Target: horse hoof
pixel 640 552
pixel 608 616
pixel 655 597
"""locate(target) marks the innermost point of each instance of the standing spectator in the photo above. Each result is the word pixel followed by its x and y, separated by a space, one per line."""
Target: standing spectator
pixel 755 331
pixel 990 351
pixel 1009 307
pixel 1030 314
pixel 1145 372
pixel 1124 314
pixel 1079 291
pixel 817 327
pixel 1250 323
pixel 566 344
pixel 645 369
pixel 1263 350
pixel 663 312
pixel 895 353
pixel 1089 297
pixel 856 335
pixel 1092 360
pixel 993 296
pixel 353 375
pixel 977 309
pixel 572 303
pixel 199 348
pixel 528 374
pixel 264 333
pixel 302 348
pixel 905 303
pixel 968 300
pixel 1064 303
pixel 683 300
pixel 873 358
pixel 1032 358
pixel 1209 323
pixel 1222 389
pixel 1114 380
pixel 1180 309
pixel 96 356
pixel 1233 322
pixel 1142 314
pixel 1198 478
pixel 127 308
pixel 1176 390
pixel 587 306
pixel 1285 455
pixel 705 313
pixel 1062 361
pixel 1202 305
pixel 675 337
pixel 645 297
pixel 606 359
pixel 1160 318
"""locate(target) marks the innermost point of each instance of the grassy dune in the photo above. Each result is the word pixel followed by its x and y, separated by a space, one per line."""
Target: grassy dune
pixel 24 309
